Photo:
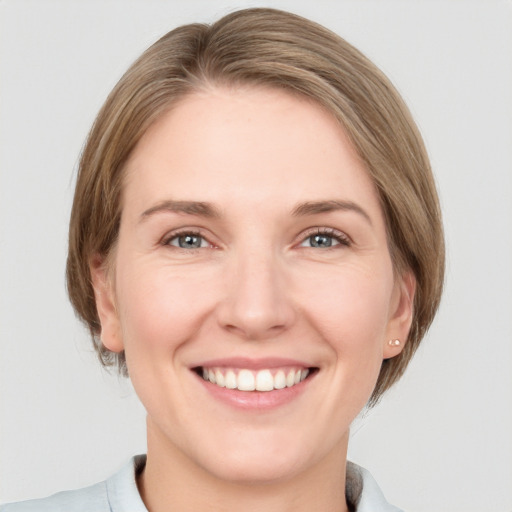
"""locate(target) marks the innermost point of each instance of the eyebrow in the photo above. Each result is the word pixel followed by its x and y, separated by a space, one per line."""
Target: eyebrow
pixel 204 209
pixel 199 208
pixel 315 207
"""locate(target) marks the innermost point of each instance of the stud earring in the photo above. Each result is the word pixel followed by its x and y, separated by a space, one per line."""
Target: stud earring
pixel 394 343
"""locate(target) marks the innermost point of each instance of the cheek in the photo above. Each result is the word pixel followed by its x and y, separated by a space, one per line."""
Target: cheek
pixel 160 309
pixel 351 309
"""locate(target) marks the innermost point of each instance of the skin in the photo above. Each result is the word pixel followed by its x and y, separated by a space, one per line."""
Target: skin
pixel 255 288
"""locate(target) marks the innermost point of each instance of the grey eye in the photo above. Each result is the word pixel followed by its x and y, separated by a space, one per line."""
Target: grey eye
pixel 320 240
pixel 188 241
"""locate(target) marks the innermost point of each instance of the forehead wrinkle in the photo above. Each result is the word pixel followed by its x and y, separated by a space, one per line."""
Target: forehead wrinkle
pixel 315 207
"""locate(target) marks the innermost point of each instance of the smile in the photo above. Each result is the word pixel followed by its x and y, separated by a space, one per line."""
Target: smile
pixel 252 380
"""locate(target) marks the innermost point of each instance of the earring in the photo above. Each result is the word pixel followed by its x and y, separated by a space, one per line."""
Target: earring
pixel 394 343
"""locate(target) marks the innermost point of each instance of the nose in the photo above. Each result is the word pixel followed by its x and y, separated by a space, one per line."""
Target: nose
pixel 256 303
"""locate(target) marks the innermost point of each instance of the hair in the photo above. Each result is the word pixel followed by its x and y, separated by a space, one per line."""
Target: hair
pixel 268 48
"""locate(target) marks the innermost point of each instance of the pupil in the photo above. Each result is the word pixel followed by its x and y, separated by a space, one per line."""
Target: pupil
pixel 189 241
pixel 321 241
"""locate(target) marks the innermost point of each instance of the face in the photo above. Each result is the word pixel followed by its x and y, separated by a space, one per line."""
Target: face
pixel 253 290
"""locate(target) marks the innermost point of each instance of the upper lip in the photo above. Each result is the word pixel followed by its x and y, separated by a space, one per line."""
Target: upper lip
pixel 252 363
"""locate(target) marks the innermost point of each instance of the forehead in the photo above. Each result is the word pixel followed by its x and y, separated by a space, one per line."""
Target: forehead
pixel 257 145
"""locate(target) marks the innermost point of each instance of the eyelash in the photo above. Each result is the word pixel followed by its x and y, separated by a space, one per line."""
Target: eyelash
pixel 338 236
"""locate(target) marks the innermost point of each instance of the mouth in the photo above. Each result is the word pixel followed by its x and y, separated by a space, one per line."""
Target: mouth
pixel 265 379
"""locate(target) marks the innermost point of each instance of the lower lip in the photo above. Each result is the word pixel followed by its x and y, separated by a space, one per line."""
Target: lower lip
pixel 256 400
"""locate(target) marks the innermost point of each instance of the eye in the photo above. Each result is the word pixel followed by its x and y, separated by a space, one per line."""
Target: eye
pixel 325 239
pixel 187 241
pixel 320 241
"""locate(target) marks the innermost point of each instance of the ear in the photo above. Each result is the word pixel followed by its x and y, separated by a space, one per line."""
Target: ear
pixel 105 304
pixel 401 314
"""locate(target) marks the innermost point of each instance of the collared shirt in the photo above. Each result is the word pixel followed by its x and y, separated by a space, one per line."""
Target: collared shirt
pixel 120 494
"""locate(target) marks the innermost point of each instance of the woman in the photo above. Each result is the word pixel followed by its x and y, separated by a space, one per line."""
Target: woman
pixel 256 240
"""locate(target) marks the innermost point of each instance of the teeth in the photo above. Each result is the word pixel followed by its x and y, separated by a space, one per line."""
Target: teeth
pixel 219 379
pixel 264 381
pixel 280 380
pixel 290 379
pixel 230 380
pixel 247 380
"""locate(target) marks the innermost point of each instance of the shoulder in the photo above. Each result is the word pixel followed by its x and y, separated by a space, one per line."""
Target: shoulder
pixel 117 494
pixel 90 499
pixel 363 492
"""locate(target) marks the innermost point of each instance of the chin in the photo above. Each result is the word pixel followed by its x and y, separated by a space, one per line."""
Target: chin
pixel 256 470
pixel 258 458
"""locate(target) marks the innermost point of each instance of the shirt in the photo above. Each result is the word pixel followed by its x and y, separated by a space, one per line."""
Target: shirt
pixel 120 494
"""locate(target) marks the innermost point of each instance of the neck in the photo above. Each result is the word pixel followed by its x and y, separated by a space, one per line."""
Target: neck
pixel 172 481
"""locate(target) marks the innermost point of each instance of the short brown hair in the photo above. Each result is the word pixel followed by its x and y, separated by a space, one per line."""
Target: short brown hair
pixel 265 47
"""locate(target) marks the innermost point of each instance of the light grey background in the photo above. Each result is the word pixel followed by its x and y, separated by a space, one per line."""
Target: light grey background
pixel 442 439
